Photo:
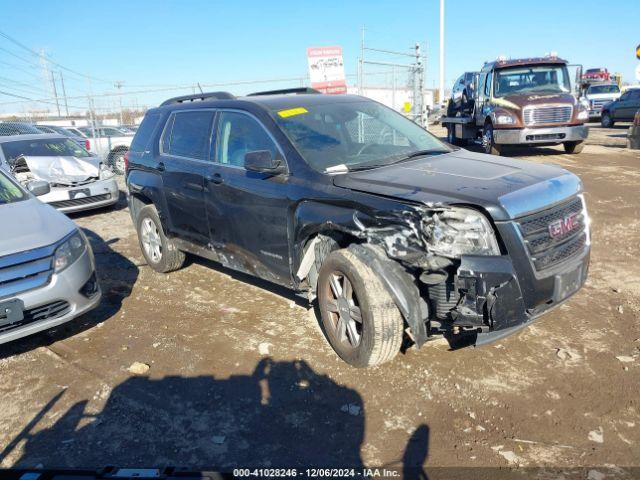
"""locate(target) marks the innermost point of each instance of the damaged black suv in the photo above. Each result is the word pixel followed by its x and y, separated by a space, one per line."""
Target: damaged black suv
pixel 400 236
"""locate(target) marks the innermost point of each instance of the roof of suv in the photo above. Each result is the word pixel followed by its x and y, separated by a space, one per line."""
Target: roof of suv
pixel 269 102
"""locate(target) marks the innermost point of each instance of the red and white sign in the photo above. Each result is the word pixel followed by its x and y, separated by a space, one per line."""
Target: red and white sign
pixel 326 69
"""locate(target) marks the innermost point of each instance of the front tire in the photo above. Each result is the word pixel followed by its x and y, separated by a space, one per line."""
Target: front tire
pixel 488 141
pixel 573 147
pixel 159 251
pixel 606 120
pixel 358 316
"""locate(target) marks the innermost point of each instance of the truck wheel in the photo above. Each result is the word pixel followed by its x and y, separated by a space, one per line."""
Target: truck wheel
pixel 358 316
pixel 573 147
pixel 488 143
pixel 160 252
pixel 606 121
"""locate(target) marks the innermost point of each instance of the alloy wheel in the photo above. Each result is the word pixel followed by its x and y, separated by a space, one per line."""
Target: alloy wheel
pixel 151 241
pixel 344 310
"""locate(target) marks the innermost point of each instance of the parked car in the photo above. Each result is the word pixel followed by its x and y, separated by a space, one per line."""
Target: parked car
pixel 399 236
pixel 462 94
pixel 110 142
pixel 526 101
pixel 47 269
pixel 621 110
pixel 633 138
pixel 598 95
pixel 17 128
pixel 76 131
pixel 596 75
pixel 78 180
pixel 130 129
pixel 61 131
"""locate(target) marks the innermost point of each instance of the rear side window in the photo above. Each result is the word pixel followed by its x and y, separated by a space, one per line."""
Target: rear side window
pixel 190 135
pixel 143 135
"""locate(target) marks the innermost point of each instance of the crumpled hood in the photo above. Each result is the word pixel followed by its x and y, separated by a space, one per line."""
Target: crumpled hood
pixel 63 169
pixel 506 188
pixel 30 224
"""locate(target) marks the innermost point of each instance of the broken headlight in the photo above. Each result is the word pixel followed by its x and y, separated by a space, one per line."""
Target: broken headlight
pixel 105 172
pixel 461 231
pixel 69 251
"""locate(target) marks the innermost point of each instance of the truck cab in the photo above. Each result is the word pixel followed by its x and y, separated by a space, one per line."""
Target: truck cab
pixel 528 102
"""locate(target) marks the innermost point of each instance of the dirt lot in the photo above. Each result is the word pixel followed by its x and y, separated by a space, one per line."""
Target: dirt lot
pixel 240 374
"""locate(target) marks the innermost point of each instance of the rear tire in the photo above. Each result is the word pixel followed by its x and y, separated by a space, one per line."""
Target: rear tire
pixel 573 147
pixel 358 316
pixel 116 161
pixel 159 251
pixel 606 120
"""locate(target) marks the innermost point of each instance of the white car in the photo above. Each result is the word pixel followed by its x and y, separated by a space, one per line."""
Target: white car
pixel 47 268
pixel 77 179
pixel 599 94
pixel 111 143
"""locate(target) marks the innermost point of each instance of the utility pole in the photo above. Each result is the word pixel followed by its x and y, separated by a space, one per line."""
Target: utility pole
pixel 55 92
pixel 64 94
pixel 441 92
pixel 118 85
pixel 361 82
pixel 44 63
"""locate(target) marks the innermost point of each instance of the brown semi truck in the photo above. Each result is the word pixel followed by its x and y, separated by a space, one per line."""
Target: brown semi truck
pixel 522 102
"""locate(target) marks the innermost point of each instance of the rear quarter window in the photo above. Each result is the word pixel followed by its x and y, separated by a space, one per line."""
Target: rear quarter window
pixel 145 132
pixel 190 135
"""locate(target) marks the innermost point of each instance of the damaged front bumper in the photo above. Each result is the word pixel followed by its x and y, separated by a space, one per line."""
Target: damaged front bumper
pixel 101 193
pixel 495 300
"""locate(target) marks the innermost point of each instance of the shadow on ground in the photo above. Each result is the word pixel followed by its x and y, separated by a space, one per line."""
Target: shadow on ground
pixel 117 275
pixel 282 415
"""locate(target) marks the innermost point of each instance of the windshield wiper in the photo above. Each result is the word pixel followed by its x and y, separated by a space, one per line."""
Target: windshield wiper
pixel 342 168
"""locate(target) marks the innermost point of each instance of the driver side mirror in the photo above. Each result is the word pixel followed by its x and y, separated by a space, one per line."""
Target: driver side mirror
pixel 262 161
pixel 39 187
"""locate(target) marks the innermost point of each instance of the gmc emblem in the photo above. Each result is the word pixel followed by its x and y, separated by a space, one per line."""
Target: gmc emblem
pixel 563 225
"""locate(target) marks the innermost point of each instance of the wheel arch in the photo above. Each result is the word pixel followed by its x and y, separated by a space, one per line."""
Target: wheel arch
pixel 145 188
pixel 320 228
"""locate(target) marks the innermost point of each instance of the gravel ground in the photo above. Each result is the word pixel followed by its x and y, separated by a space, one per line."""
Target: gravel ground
pixel 235 372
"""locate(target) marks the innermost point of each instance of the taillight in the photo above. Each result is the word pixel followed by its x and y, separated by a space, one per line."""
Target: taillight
pixel 126 160
pixel 87 145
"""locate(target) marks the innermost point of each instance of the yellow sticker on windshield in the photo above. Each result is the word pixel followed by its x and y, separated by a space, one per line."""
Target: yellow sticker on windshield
pixel 292 112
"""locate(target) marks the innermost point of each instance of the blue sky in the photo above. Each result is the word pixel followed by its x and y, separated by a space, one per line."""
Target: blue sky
pixel 182 42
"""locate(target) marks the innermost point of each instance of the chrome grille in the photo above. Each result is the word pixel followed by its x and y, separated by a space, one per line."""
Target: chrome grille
pixel 25 270
pixel 546 251
pixel 543 115
pixel 597 104
pixel 48 311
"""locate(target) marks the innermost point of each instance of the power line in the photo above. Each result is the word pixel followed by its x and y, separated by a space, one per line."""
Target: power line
pixel 53 62
pixel 9 94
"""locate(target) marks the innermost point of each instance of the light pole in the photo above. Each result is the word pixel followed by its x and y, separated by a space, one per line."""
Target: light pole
pixel 441 94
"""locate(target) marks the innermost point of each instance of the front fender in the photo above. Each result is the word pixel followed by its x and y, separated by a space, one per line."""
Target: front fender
pixel 401 286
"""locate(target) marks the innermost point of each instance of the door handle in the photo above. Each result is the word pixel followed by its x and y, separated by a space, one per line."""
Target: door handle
pixel 161 167
pixel 215 178
pixel 193 186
